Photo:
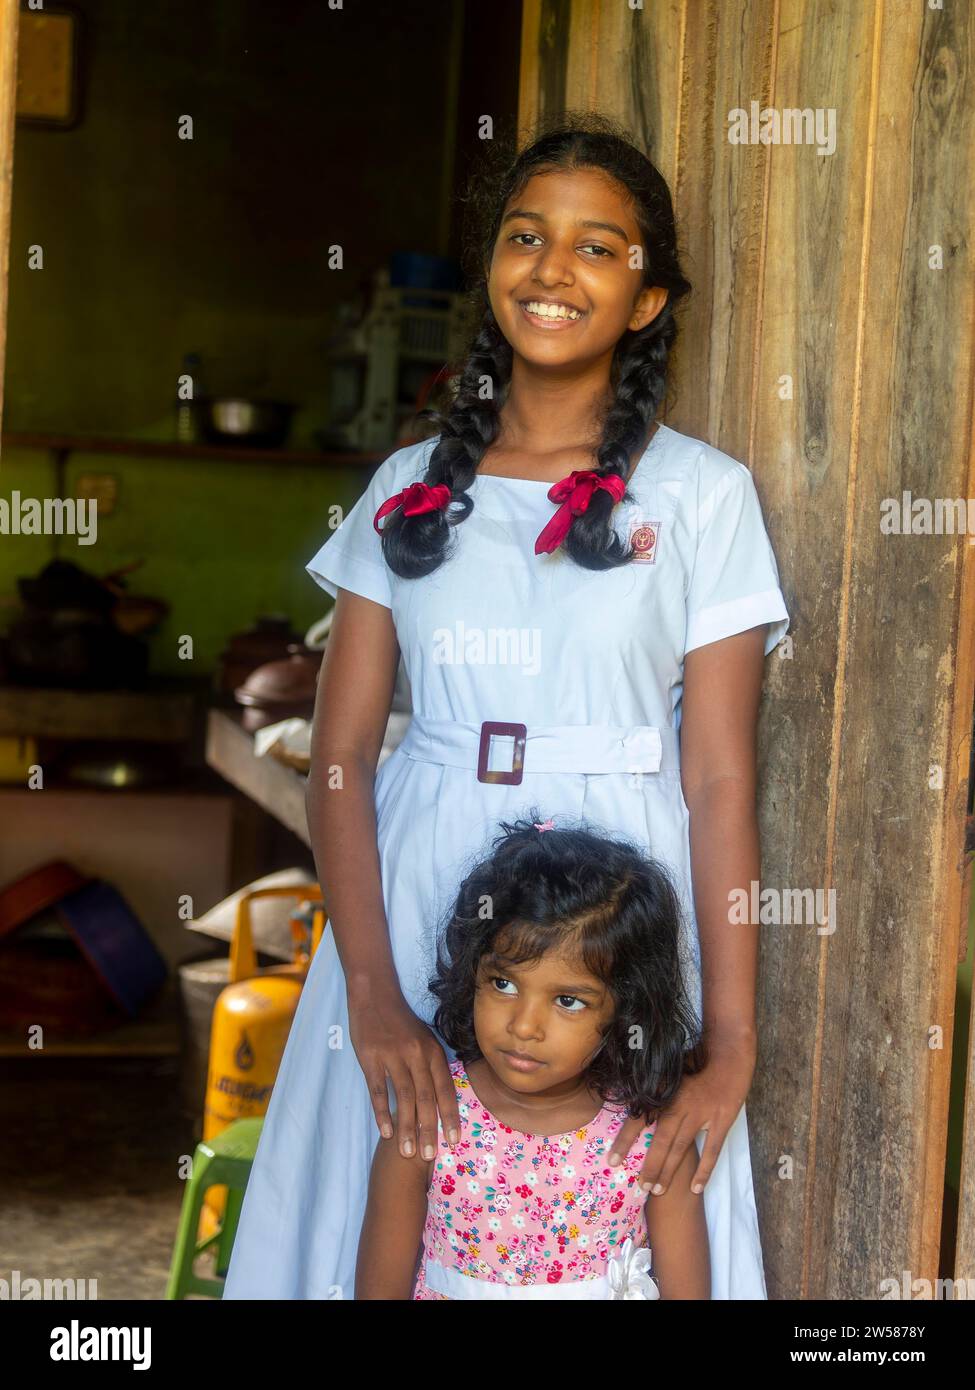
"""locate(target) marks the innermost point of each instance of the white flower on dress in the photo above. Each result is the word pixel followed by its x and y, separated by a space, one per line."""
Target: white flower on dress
pixel 473 1187
pixel 568 1171
pixel 628 1270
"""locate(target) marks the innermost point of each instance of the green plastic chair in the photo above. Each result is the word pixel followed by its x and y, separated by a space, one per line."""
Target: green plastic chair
pixel 222 1161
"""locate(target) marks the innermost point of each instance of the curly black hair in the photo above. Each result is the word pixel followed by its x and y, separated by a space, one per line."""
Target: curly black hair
pixel 618 908
pixel 416 545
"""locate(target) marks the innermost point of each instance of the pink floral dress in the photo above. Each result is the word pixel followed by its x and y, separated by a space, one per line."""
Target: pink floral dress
pixel 513 1215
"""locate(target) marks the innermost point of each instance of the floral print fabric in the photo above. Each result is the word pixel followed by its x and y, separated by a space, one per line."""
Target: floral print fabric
pixel 523 1209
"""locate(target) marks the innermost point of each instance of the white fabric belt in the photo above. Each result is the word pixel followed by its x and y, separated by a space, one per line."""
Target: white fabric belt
pixel 442 1279
pixel 577 748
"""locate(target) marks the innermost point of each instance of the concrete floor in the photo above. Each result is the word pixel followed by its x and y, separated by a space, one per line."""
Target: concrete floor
pixel 89 1171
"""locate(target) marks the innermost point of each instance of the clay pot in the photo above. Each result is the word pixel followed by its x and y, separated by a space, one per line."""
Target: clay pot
pixel 281 689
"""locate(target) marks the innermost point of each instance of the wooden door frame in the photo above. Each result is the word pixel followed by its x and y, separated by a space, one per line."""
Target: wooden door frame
pixel 855 1060
pixel 9 30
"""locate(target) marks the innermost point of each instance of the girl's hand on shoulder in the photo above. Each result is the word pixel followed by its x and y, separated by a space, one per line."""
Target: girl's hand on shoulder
pixel 709 1100
pixel 389 1039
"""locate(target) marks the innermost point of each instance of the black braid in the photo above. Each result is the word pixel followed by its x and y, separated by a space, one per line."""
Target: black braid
pixel 642 381
pixel 417 545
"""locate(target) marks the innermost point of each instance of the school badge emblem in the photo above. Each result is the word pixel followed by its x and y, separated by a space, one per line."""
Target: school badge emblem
pixel 643 539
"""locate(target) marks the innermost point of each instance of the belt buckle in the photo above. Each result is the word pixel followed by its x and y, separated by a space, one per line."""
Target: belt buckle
pixel 519 732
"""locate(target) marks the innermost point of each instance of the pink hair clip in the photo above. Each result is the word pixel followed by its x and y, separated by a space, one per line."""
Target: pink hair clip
pixel 544 824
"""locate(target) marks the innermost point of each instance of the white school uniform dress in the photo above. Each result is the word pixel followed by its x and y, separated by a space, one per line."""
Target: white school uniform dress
pixel 591 663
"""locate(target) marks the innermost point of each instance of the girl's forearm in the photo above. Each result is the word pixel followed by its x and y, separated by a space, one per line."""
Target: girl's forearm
pixel 725 860
pixel 342 827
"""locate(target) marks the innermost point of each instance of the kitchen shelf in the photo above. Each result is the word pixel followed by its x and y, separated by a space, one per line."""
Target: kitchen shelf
pixel 190 782
pixel 163 713
pixel 217 453
pixel 272 784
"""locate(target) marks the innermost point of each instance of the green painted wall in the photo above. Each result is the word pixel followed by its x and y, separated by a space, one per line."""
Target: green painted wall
pixel 222 542
pixel 307 133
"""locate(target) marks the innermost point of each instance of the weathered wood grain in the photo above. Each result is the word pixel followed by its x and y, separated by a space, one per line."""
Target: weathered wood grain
pixel 9 11
pixel 823 348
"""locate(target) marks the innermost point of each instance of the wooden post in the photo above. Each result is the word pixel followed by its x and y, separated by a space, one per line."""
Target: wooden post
pixel 829 345
pixel 9 19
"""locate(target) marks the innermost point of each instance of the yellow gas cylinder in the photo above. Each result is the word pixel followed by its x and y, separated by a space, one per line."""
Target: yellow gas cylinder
pixel 251 1021
pixel 18 754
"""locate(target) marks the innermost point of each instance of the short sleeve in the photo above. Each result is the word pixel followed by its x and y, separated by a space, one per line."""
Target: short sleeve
pixel 734 582
pixel 352 557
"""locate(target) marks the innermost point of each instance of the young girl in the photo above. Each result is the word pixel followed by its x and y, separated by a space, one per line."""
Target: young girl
pixel 582 598
pixel 565 1005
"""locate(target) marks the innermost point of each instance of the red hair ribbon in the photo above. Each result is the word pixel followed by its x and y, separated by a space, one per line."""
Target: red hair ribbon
pixel 418 497
pixel 575 493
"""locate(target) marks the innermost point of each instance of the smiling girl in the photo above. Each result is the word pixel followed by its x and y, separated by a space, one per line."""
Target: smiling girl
pixel 550 504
